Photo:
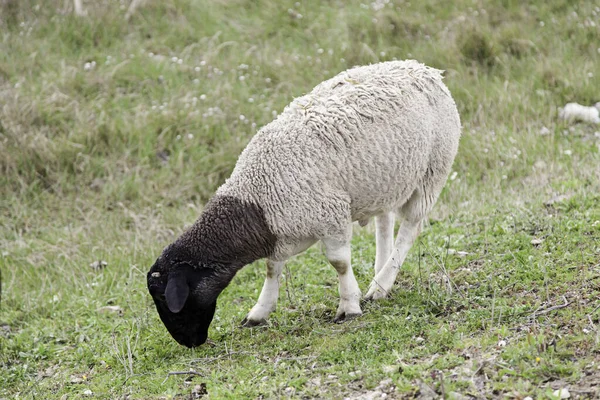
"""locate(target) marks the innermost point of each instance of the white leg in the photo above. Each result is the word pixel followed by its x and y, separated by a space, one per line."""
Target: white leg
pixel 267 301
pixel 384 279
pixel 338 253
pixel 384 238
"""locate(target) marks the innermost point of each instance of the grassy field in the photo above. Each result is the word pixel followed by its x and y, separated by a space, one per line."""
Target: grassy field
pixel 113 134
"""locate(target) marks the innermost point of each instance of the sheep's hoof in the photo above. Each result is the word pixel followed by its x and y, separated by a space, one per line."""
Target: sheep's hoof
pixel 343 317
pixel 376 294
pixel 251 323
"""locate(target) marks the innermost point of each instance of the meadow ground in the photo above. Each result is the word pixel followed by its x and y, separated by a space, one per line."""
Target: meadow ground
pixel 113 134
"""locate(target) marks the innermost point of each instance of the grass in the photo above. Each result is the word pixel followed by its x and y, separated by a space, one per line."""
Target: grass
pixel 110 162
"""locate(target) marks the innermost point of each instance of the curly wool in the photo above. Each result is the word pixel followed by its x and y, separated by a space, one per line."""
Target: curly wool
pixel 356 146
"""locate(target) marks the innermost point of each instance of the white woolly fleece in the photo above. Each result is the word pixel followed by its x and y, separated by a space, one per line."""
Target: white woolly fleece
pixel 357 146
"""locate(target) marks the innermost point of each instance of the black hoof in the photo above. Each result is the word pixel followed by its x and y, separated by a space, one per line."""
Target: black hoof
pixel 250 323
pixel 345 317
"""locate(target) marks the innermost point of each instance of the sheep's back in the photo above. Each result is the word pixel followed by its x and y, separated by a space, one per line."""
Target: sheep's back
pixel 357 145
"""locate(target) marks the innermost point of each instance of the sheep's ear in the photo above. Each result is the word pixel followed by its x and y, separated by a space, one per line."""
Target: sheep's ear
pixel 176 293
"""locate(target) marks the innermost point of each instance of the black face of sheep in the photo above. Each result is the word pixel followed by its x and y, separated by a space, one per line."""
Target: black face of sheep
pixel 186 315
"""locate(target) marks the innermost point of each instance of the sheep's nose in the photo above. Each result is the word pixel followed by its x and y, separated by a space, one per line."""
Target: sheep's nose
pixel 192 342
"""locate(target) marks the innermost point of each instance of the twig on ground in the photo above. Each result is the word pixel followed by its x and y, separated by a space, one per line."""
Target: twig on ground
pixel 553 308
pixel 190 372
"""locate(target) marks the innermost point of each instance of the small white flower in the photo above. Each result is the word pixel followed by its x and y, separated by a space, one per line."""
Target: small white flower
pixel 174 59
pixel 180 61
pixel 202 63
pixel 196 81
pixel 190 136
pixel 197 69
pixel 568 152
pixel 242 78
pixel 320 51
pixel 382 54
pixel 251 100
pixel 268 80
pixel 242 117
pixel 178 137
pixel 202 97
pixel 150 54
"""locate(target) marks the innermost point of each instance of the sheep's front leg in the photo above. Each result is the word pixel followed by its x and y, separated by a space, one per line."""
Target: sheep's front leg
pixel 338 253
pixel 267 301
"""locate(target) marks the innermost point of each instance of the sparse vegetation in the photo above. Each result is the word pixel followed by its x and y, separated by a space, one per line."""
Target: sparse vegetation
pixel 113 134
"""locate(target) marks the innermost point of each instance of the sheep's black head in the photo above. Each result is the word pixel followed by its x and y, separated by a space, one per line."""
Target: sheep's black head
pixel 185 297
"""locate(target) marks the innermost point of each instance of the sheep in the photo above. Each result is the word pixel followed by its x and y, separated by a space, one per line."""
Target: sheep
pixel 374 141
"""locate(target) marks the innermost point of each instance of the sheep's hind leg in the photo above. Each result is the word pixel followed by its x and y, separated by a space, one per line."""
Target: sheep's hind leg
pixel 384 239
pixel 267 301
pixel 414 211
pixel 338 253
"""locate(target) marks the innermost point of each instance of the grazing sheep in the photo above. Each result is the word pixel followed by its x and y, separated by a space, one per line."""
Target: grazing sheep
pixel 373 141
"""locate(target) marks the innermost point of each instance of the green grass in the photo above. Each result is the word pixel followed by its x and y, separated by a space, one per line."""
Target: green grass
pixel 113 162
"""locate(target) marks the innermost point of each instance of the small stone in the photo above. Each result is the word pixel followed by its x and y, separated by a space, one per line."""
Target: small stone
pixel 502 343
pixel 111 309
pixel 457 396
pixel 562 393
pixel 536 242
pixel 87 392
